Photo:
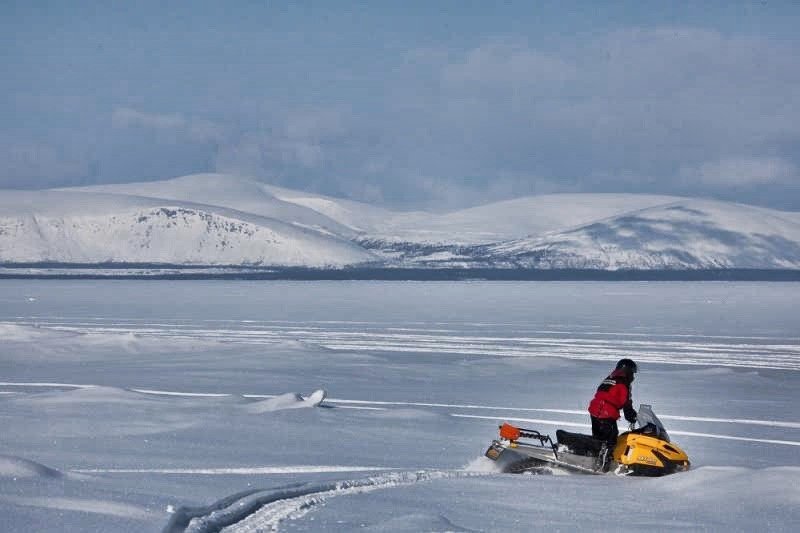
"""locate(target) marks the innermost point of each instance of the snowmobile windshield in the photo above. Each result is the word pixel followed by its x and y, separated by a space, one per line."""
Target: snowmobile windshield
pixel 648 423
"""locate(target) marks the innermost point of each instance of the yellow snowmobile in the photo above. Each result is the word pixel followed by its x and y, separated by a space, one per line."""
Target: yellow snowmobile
pixel 643 451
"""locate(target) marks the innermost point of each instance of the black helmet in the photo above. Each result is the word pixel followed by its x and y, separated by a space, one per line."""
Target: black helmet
pixel 628 365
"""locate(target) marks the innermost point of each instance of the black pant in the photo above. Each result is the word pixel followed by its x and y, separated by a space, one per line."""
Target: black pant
pixel 605 429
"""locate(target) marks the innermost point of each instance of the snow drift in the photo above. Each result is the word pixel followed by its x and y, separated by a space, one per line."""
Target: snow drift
pixel 290 400
pixel 17 467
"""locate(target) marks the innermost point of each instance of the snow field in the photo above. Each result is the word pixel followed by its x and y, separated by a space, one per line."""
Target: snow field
pixel 123 415
pixel 745 352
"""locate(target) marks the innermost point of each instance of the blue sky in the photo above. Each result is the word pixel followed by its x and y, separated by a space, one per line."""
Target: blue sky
pixel 408 103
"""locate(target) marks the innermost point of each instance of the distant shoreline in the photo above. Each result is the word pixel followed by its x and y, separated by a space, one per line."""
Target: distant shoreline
pixel 187 272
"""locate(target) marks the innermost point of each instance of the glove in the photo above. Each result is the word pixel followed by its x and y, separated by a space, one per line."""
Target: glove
pixel 630 415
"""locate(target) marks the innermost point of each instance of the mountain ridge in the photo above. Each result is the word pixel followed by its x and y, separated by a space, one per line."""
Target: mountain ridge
pixel 216 219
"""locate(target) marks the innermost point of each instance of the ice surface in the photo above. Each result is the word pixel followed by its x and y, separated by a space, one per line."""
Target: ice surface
pixel 140 406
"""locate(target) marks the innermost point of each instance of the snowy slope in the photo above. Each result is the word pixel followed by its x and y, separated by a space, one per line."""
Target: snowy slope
pixel 531 215
pixel 360 217
pixel 234 192
pixel 239 221
pixel 510 219
pixel 84 227
pixel 683 234
pixel 596 231
pixel 489 223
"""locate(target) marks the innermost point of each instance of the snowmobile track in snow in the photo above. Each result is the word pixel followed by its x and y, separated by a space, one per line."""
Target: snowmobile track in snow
pixel 264 510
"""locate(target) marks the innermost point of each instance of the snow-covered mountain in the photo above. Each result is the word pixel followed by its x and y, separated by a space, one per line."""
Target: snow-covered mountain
pixel 214 219
pixel 685 234
pixel 87 227
pixel 233 192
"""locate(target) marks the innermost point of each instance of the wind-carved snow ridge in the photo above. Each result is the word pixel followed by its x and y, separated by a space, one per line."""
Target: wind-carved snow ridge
pixel 18 467
pixel 264 510
pixel 290 400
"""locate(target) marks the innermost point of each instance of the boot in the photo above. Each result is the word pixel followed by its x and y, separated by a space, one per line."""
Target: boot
pixel 604 458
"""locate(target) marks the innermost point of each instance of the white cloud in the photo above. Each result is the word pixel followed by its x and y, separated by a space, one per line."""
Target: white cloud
pixel 295 142
pixel 507 64
pixel 170 123
pixel 126 117
pixel 737 171
pixel 32 164
pixel 671 86
pixel 314 124
pixel 264 154
pixel 648 110
pixel 637 102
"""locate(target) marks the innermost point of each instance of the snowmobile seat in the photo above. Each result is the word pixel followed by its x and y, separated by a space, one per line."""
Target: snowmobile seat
pixel 578 443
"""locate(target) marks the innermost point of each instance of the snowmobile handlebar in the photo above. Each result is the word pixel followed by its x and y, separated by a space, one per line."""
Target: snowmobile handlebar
pixel 531 434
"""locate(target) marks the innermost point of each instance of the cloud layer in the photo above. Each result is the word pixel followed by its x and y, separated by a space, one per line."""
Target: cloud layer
pixel 679 110
pixel 676 110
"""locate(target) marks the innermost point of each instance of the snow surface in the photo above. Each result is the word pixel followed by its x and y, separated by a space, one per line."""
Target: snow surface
pixel 290 400
pixel 512 219
pixel 162 406
pixel 216 219
pixel 241 194
pixel 75 227
pixel 681 234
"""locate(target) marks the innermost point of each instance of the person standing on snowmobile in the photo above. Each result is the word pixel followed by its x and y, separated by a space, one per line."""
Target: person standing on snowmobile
pixel 613 394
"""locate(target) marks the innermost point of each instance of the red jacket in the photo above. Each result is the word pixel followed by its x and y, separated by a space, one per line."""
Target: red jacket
pixel 613 394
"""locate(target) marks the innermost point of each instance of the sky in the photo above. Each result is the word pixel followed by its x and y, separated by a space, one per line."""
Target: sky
pixel 410 104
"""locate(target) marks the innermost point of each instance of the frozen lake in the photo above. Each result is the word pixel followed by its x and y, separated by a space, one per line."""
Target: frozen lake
pixel 124 401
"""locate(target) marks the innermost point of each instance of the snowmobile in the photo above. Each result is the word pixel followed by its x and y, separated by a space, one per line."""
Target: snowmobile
pixel 643 451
